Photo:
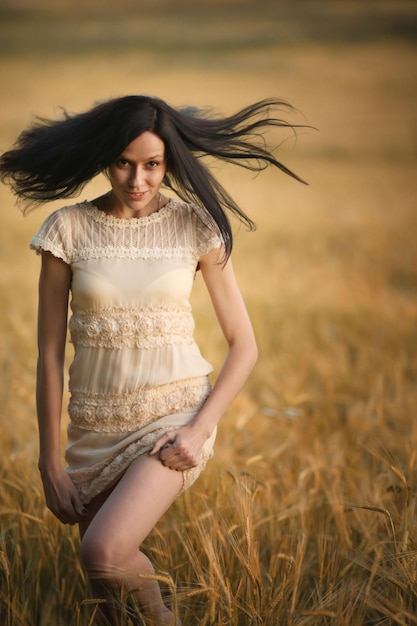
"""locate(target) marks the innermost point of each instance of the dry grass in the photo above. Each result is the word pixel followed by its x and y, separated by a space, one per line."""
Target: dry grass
pixel 307 514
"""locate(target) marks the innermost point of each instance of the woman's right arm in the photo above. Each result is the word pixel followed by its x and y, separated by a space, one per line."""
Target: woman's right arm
pixel 54 285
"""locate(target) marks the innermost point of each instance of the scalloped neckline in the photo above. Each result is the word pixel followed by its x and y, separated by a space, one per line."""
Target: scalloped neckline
pixel 103 217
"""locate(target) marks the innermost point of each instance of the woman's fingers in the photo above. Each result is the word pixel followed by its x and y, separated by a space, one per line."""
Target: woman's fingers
pixel 161 443
pixel 176 451
pixel 178 458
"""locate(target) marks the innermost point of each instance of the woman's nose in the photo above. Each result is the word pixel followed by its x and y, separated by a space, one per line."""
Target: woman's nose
pixel 137 176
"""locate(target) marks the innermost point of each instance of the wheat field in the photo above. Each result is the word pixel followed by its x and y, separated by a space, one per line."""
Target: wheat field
pixel 306 516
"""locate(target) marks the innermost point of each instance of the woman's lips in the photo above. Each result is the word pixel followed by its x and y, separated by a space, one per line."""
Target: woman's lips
pixel 136 195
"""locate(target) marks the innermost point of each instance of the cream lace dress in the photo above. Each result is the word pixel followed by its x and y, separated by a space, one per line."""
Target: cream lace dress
pixel 137 371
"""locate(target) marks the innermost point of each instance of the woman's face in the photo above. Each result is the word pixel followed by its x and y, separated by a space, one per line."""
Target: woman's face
pixel 136 177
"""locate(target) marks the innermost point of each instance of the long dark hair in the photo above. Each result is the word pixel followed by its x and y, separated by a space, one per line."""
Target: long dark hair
pixel 55 159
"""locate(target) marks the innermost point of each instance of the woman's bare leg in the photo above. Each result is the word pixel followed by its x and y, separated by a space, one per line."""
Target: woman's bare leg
pixel 115 528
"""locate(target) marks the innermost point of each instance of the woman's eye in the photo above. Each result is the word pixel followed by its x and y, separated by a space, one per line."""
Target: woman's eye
pixel 122 162
pixel 153 164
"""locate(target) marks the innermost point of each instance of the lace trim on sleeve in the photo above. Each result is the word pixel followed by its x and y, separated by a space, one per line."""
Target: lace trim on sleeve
pixel 39 244
pixel 53 236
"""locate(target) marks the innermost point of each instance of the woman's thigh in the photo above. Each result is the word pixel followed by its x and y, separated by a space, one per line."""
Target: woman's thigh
pixel 126 514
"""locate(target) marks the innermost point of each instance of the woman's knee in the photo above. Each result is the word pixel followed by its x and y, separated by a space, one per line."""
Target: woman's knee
pixel 99 556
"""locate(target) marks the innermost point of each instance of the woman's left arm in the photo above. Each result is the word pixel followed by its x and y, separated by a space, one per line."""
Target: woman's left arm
pixel 241 357
pixel 237 329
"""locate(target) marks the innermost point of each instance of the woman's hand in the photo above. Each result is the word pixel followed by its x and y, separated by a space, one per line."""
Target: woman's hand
pixel 180 449
pixel 62 497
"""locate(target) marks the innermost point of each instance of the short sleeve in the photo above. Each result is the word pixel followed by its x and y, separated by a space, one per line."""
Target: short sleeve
pixel 53 236
pixel 208 236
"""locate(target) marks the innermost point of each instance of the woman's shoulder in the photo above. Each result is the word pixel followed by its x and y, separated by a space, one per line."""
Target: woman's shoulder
pixel 67 213
pixel 61 224
pixel 79 209
pixel 199 228
pixel 197 214
pixel 54 234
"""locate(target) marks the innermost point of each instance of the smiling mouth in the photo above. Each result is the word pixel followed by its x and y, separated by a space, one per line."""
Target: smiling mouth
pixel 136 195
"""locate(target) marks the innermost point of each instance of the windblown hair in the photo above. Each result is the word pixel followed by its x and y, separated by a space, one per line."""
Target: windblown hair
pixel 55 159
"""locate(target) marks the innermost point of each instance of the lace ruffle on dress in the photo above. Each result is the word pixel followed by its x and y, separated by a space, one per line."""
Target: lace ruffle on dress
pixel 137 371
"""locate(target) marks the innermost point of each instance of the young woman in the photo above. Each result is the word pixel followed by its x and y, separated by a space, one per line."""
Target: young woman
pixel 143 415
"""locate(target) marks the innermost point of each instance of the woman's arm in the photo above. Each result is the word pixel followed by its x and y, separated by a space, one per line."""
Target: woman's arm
pixel 237 329
pixel 240 359
pixel 54 285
